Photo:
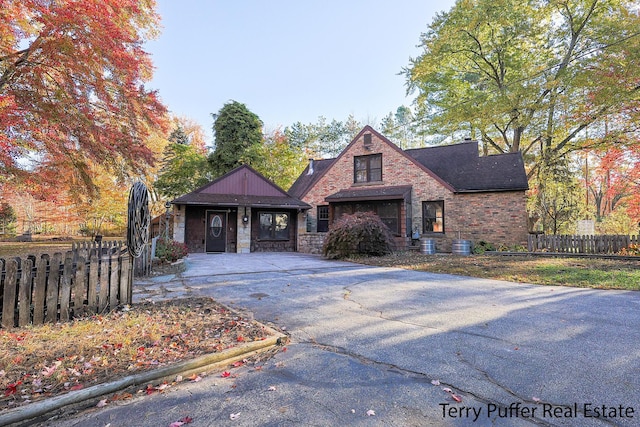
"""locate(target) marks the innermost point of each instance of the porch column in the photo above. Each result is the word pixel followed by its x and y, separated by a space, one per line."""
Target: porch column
pixel 244 231
pixel 179 218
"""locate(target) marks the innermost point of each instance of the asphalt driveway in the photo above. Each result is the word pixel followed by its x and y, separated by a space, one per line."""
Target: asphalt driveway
pixel 368 344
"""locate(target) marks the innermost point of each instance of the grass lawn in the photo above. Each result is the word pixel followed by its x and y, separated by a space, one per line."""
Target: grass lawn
pixel 579 272
pixel 23 249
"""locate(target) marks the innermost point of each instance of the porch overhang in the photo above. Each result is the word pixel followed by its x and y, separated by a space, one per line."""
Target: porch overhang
pixel 234 201
pixel 371 194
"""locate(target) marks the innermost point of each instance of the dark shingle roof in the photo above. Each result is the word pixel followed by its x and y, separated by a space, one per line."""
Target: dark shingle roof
pixel 306 181
pixel 371 193
pixel 231 200
pixel 461 167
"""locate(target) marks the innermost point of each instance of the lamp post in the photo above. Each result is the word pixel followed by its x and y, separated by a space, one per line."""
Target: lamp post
pixel 167 206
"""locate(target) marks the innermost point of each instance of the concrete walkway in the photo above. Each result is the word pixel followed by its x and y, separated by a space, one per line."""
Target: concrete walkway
pixel 380 346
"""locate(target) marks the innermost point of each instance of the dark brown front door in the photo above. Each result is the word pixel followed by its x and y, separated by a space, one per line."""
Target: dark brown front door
pixel 216 231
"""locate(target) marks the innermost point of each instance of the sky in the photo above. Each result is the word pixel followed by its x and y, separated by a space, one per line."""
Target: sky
pixel 288 61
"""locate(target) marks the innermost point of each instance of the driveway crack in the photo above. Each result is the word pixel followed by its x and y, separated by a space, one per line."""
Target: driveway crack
pixel 422 377
pixel 509 391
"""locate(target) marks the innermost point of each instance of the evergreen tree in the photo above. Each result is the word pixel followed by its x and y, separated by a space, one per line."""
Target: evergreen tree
pixel 236 129
pixel 7 219
pixel 179 136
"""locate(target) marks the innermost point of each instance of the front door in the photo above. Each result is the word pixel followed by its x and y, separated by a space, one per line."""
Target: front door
pixel 216 240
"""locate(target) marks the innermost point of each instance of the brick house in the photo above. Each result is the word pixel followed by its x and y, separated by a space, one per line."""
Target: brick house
pixel 241 212
pixel 443 193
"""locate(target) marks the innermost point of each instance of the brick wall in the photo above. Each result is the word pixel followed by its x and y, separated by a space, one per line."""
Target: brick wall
pixel 499 218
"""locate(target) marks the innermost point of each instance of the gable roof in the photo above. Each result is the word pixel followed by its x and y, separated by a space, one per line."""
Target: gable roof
pixel 305 181
pixel 243 186
pixel 458 167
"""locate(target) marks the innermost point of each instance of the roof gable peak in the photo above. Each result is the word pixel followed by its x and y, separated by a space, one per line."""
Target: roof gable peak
pixel 243 181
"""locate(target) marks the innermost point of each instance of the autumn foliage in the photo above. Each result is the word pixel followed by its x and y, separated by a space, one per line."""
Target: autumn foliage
pixel 72 75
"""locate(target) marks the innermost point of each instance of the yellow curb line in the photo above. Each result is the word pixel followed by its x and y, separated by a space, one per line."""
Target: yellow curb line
pixel 198 365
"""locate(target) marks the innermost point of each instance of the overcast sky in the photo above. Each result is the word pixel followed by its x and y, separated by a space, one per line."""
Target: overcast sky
pixel 288 61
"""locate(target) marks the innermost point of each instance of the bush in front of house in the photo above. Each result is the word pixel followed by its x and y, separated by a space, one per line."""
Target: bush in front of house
pixel 359 233
pixel 170 250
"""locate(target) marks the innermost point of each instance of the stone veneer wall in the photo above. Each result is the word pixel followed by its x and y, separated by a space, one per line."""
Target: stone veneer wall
pixel 311 243
pixel 244 233
pixel 497 217
pixel 178 223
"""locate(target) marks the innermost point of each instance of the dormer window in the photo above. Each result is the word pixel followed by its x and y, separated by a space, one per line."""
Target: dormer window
pixel 367 168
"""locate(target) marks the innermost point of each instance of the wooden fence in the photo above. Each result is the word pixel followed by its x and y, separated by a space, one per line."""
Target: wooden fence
pixel 91 278
pixel 596 244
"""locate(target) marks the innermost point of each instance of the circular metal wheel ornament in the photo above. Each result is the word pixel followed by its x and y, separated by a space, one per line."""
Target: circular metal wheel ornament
pixel 138 219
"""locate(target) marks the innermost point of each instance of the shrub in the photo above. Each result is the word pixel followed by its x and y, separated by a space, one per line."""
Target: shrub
pixel 170 250
pixel 632 250
pixel 482 246
pixel 359 233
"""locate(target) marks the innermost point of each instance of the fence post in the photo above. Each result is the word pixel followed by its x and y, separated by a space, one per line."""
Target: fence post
pixel 9 294
pixel 113 282
pixel 24 294
pixel 92 297
pixel 40 286
pixel 103 296
pixel 51 303
pixel 65 287
pixel 79 288
pixel 125 278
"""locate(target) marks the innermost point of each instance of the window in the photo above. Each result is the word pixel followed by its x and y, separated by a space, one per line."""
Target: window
pixel 389 212
pixel 323 219
pixel 433 217
pixel 274 226
pixel 367 168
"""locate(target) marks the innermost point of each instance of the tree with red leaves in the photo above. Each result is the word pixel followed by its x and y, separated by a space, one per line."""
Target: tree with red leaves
pixel 72 75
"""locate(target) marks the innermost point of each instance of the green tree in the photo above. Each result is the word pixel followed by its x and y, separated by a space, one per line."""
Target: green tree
pixel 236 129
pixel 559 199
pixel 184 170
pixel 277 160
pixel 323 139
pixel 531 76
pixel 400 127
pixel 7 220
pixel 179 136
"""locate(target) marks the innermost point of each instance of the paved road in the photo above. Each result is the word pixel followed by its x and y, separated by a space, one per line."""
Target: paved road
pixel 368 340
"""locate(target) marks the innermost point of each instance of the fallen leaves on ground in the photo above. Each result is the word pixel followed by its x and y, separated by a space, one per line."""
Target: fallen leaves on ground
pixel 452 394
pixel 181 422
pixel 53 359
